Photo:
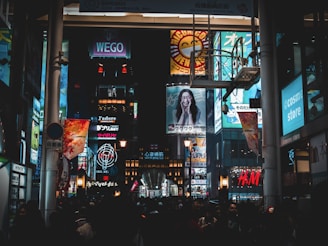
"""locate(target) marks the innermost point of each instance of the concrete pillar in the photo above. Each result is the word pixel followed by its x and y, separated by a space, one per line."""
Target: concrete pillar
pixel 270 107
pixel 50 156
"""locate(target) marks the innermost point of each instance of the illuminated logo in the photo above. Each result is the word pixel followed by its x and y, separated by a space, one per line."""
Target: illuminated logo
pixel 106 156
pixel 249 178
pixel 182 43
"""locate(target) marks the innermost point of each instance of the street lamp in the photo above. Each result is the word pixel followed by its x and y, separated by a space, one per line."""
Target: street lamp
pixel 187 144
pixel 121 177
pixel 224 185
pixel 80 182
pixel 123 143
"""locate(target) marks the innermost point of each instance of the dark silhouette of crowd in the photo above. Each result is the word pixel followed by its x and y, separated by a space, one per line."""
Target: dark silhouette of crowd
pixel 131 221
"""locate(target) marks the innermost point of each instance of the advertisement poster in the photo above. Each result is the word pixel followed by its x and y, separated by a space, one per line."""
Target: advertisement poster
pixel 182 44
pixel 74 137
pixel 292 109
pixel 198 152
pixel 250 129
pixel 185 110
pixel 196 157
pixel 35 132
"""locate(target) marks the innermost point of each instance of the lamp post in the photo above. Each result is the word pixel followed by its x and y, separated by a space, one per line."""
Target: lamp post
pixel 123 143
pixel 80 181
pixel 187 144
pixel 121 173
pixel 224 185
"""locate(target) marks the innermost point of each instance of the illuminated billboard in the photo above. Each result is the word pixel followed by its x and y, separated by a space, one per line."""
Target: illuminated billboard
pixel 197 159
pixel 5 47
pixel 182 43
pixel 35 132
pixel 74 137
pixel 185 110
pixel 109 43
pixel 238 99
pixel 292 106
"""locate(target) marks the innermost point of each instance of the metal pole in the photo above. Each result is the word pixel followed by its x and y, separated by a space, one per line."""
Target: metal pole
pixel 190 171
pixel 270 105
pixel 50 157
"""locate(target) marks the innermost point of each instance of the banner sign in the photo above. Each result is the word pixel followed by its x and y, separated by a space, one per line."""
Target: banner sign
pixel 250 128
pixel 74 137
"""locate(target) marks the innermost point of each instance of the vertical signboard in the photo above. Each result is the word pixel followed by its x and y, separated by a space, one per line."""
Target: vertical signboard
pixel 35 132
pixel 5 47
pixel 74 137
pixel 292 106
pixel 197 160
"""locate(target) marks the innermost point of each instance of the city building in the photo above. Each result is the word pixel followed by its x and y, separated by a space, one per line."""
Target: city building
pixel 281 155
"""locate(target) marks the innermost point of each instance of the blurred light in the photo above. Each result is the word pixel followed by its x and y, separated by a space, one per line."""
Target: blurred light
pixel 124 69
pixel 100 68
pixel 123 143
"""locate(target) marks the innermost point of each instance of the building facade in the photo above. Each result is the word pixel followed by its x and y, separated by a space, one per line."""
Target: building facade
pixel 292 159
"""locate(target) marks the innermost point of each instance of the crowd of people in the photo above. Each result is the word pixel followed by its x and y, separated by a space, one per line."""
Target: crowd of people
pixel 159 221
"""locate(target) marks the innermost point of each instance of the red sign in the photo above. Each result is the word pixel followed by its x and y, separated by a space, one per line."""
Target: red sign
pixel 249 178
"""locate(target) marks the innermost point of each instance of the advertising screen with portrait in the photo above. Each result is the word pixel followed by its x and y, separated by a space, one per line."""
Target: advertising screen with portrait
pixel 185 110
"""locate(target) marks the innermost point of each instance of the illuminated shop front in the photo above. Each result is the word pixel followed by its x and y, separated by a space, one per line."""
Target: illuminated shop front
pixel 245 183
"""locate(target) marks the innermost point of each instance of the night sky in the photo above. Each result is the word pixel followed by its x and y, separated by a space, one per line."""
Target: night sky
pixel 150 54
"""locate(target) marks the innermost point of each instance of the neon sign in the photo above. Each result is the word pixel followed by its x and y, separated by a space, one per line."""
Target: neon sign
pixel 246 176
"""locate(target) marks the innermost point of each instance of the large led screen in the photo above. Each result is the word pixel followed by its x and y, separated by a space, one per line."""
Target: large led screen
pixel 185 110
pixel 292 106
pixel 238 99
